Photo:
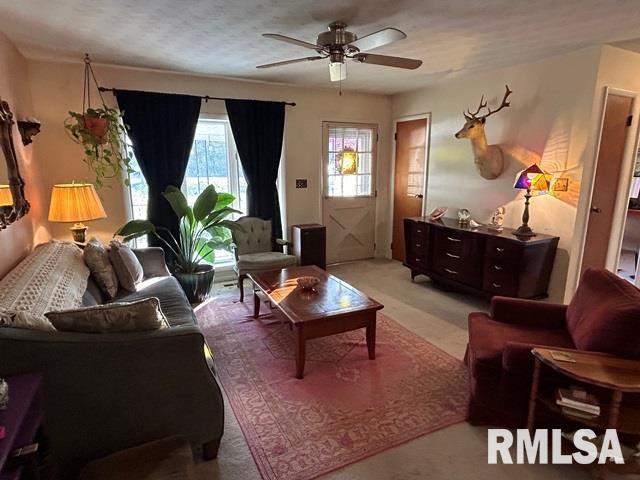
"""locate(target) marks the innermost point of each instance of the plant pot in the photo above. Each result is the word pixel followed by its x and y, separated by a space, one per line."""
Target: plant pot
pixel 197 285
pixel 96 126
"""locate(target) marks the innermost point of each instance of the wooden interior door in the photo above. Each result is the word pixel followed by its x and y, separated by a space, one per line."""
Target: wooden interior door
pixel 409 187
pixel 349 205
pixel 615 128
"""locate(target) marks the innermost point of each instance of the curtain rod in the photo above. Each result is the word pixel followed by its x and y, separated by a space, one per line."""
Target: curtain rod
pixel 206 98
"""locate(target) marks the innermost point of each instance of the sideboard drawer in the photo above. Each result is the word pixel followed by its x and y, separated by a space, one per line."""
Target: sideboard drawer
pixel 452 244
pixel 501 251
pixel 418 231
pixel 501 283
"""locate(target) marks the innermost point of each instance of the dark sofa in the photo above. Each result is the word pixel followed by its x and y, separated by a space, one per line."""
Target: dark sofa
pixel 603 316
pixel 107 392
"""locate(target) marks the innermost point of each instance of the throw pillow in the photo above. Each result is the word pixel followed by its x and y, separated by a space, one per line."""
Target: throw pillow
pixel 127 266
pixel 97 259
pixel 138 316
pixel 25 320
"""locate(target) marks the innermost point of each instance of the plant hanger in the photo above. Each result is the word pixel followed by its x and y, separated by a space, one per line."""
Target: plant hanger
pixel 101 133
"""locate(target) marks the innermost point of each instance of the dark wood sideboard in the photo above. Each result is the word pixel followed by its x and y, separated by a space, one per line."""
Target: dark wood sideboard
pixel 478 260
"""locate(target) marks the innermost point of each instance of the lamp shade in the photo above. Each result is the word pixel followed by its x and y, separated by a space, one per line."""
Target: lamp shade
pixel 75 202
pixel 532 178
pixel 6 199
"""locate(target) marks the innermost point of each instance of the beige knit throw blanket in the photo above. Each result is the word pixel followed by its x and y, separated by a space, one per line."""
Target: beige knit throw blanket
pixel 53 277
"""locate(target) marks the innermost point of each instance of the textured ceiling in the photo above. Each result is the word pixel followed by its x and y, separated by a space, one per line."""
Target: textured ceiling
pixel 221 37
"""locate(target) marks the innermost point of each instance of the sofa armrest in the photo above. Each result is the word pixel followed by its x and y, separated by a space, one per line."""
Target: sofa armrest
pixel 107 392
pixel 153 261
pixel 532 313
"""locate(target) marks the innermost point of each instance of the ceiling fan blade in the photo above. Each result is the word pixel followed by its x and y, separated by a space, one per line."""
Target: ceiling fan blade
pixel 294 41
pixel 378 39
pixel 287 62
pixel 387 61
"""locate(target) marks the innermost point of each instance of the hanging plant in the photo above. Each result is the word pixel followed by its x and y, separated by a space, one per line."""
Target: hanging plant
pixel 101 132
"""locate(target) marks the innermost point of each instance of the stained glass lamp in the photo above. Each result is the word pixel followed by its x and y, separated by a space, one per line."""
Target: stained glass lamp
pixel 531 178
pixel 347 161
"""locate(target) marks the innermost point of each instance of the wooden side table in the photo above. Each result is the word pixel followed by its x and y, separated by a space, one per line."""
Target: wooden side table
pixel 607 373
pixel 22 420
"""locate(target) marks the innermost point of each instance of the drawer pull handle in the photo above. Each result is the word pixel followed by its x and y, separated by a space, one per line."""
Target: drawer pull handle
pixel 418 245
pixel 418 260
pixel 453 239
pixel 498 267
pixel 496 285
pixel 498 249
pixel 452 272
pixel 452 255
pixel 418 231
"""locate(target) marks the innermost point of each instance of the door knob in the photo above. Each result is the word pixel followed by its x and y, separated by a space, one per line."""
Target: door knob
pixel 418 195
pixel 596 210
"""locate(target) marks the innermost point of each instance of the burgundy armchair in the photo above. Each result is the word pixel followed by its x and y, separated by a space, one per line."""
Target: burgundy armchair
pixel 603 316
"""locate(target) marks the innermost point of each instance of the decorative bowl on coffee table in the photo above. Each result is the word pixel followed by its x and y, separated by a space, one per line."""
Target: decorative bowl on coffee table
pixel 308 282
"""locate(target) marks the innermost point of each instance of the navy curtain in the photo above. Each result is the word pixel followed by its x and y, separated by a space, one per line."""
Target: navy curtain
pixel 161 127
pixel 258 128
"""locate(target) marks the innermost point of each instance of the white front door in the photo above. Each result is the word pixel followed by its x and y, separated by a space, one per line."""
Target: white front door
pixel 349 206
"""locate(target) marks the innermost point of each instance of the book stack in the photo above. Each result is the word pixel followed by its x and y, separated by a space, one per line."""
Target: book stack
pixel 576 402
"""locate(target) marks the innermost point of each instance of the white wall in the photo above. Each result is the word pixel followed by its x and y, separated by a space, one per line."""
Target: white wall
pixel 57 88
pixel 18 239
pixel 549 122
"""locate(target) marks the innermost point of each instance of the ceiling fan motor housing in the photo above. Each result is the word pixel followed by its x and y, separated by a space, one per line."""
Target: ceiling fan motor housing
pixel 335 39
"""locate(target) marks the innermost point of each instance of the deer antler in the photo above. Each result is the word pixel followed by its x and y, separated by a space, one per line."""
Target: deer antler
pixel 482 105
pixel 502 105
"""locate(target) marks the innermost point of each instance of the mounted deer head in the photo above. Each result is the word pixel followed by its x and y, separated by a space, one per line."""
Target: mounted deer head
pixel 488 158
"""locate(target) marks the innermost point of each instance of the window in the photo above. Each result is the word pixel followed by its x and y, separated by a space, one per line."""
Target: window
pixel 362 140
pixel 213 161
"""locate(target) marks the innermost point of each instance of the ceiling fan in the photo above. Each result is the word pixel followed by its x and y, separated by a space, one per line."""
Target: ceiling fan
pixel 338 43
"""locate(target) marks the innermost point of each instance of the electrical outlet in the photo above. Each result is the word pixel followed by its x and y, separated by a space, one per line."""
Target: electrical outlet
pixel 301 183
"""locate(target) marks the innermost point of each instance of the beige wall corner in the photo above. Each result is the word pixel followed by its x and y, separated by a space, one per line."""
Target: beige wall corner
pixel 17 240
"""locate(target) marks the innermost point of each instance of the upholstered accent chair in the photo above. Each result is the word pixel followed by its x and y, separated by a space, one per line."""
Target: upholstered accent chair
pixel 254 250
pixel 603 316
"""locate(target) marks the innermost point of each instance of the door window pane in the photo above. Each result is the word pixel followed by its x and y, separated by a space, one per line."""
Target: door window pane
pixel 361 140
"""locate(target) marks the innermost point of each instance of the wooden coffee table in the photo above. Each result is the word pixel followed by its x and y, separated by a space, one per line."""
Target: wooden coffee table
pixel 332 307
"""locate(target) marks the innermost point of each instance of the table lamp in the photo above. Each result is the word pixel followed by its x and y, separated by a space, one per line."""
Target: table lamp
pixel 75 202
pixel 6 199
pixel 531 178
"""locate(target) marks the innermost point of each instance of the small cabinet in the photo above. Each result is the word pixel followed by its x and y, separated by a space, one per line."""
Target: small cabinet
pixel 479 260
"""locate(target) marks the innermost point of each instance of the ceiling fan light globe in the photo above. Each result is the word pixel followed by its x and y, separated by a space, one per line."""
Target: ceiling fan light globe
pixel 337 71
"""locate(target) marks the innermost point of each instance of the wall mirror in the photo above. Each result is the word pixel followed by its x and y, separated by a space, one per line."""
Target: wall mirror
pixel 13 204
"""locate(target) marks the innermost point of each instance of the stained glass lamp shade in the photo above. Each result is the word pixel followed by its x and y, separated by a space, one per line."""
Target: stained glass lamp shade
pixel 531 178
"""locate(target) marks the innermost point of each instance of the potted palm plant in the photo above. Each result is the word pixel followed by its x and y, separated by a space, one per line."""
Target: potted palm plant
pixel 204 228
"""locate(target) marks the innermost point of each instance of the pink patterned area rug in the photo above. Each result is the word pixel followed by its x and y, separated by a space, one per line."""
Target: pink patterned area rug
pixel 346 408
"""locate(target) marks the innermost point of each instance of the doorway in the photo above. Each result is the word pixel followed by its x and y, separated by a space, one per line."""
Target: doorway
pixel 349 199
pixel 409 177
pixel 604 226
